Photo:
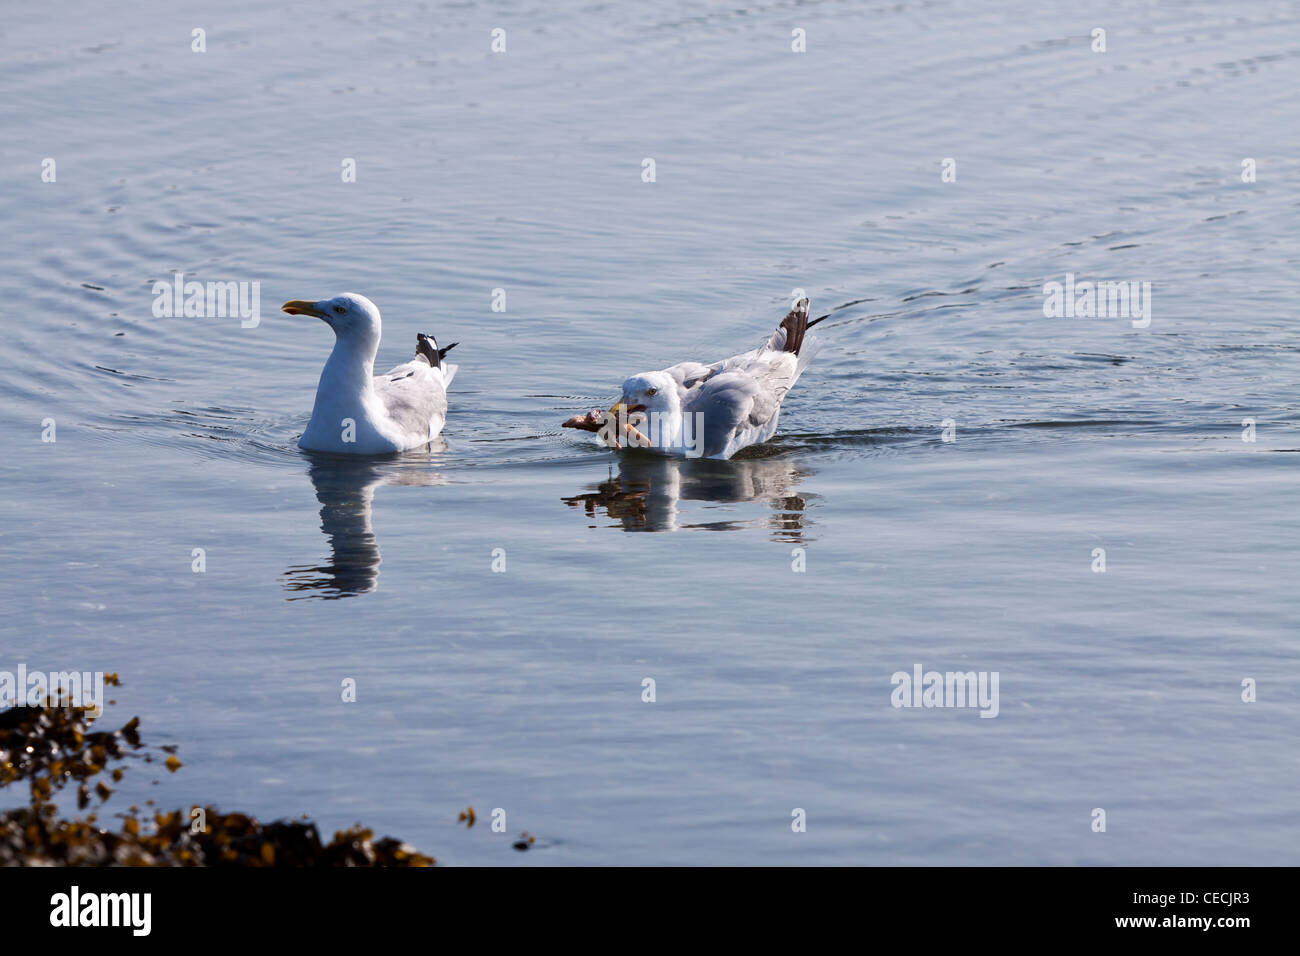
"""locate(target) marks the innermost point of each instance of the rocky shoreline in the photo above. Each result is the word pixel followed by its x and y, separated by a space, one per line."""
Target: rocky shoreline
pixel 52 748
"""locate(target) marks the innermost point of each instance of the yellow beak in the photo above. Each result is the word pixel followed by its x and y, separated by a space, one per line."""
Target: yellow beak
pixel 620 408
pixel 299 307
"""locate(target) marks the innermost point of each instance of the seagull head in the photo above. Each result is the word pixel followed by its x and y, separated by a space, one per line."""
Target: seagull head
pixel 649 392
pixel 349 315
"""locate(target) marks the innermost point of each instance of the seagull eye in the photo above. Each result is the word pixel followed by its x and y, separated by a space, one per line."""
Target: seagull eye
pixel 651 391
pixel 339 310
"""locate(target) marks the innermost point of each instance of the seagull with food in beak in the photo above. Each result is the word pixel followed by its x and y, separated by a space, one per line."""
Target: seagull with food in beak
pixel 713 410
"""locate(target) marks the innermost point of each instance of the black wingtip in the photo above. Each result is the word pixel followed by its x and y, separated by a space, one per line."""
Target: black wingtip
pixel 442 352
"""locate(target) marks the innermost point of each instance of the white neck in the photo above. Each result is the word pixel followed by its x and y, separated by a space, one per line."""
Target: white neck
pixel 350 369
pixel 346 391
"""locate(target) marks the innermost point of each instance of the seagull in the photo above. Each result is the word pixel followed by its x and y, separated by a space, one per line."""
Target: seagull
pixel 714 410
pixel 358 412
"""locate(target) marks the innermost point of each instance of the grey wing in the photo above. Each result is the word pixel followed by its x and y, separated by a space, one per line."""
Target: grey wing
pixel 740 403
pixel 415 398
pixel 690 375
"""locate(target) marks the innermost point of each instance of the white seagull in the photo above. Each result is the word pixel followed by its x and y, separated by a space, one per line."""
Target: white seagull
pixel 358 412
pixel 714 410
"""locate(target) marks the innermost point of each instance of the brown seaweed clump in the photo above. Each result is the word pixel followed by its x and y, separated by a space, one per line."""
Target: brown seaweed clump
pixel 52 747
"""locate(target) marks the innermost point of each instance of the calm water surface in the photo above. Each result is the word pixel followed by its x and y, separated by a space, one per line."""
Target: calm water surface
pixel 775 171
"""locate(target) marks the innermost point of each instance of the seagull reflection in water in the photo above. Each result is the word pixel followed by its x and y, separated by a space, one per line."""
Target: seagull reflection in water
pixel 647 492
pixel 345 487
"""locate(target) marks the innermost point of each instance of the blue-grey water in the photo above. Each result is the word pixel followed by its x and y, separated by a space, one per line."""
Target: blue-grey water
pixel 774 170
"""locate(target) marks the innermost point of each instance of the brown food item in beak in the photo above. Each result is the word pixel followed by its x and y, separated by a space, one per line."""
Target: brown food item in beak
pixel 594 421
pixel 636 435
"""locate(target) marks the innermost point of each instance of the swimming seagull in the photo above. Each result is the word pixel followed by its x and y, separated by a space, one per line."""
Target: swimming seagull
pixel 358 412
pixel 710 410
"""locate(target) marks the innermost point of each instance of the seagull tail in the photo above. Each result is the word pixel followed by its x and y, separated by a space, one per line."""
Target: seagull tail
pixel 788 336
pixel 426 347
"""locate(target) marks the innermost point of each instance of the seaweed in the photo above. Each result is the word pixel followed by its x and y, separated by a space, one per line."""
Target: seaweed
pixel 53 747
